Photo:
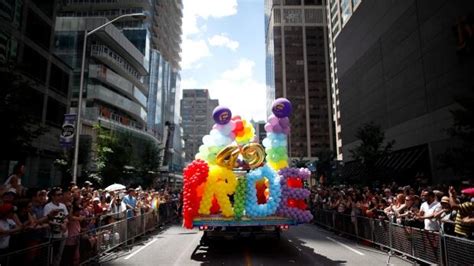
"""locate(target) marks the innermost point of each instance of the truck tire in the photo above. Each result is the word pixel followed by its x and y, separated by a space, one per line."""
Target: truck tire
pixel 204 239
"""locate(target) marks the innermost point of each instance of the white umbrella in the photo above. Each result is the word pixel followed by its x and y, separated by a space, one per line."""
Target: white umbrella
pixel 115 187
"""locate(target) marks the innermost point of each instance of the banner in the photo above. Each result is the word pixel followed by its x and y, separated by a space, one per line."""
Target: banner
pixel 68 131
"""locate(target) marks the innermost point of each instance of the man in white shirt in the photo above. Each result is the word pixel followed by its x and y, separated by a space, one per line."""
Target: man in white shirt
pixel 428 210
pixel 58 224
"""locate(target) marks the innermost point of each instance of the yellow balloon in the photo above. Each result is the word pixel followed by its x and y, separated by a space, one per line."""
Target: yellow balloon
pixel 254 154
pixel 227 157
pixel 220 182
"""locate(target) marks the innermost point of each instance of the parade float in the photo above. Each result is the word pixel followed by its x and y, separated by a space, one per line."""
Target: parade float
pixel 238 186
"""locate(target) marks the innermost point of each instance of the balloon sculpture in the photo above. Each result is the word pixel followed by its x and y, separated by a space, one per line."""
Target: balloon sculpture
pixel 230 164
pixel 294 194
pixel 278 128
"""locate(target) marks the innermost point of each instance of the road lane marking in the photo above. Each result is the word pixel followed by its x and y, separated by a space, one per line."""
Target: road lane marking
pixel 346 246
pixel 140 249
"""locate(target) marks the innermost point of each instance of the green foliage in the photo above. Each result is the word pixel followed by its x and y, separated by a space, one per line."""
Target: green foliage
pixel 125 158
pixel 461 158
pixel 300 162
pixel 21 119
pixel 371 147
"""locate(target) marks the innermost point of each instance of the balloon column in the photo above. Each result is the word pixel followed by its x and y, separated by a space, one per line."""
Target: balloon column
pixel 294 194
pixel 228 163
pixel 278 128
pixel 194 175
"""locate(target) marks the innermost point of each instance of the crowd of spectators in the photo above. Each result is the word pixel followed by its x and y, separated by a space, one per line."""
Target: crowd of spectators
pixel 430 208
pixel 70 217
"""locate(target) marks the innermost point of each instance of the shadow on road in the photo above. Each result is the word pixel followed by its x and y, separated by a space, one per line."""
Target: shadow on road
pixel 247 251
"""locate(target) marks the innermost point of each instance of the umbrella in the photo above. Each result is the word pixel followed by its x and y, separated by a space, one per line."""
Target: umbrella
pixel 468 191
pixel 115 187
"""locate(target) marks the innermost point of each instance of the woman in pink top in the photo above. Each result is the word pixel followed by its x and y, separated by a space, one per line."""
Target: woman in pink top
pixel 71 250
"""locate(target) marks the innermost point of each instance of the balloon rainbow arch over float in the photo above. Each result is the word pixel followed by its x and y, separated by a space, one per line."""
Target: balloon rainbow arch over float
pixel 265 189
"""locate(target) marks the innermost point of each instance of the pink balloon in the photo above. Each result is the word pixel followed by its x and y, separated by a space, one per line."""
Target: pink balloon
pixel 268 127
pixel 273 120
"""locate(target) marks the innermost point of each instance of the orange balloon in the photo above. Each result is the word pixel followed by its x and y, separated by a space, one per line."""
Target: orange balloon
pixel 267 193
pixel 200 190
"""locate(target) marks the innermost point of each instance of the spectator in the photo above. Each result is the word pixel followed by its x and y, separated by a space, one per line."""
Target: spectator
pixel 58 223
pixel 13 182
pixel 130 202
pixel 464 226
pixel 71 249
pixel 447 216
pixel 8 225
pixel 411 209
pixel 428 209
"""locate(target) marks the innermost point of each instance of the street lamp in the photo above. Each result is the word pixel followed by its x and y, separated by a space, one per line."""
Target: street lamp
pixel 81 85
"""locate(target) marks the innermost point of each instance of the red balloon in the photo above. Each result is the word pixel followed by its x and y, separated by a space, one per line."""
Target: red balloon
pixel 292 203
pixel 193 176
pixel 215 208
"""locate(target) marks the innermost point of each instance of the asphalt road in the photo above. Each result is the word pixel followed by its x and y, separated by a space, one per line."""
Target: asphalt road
pixel 301 245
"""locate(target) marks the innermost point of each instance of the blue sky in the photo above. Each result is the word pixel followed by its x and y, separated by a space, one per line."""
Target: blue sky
pixel 224 51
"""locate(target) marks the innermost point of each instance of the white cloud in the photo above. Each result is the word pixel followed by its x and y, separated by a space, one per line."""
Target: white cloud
pixel 237 89
pixel 204 9
pixel 192 52
pixel 195 15
pixel 189 83
pixel 222 40
pixel 194 9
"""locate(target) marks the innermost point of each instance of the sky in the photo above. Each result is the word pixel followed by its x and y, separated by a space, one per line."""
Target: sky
pixel 223 50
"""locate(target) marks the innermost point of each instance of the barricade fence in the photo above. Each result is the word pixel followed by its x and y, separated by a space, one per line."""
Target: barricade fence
pixel 90 245
pixel 430 247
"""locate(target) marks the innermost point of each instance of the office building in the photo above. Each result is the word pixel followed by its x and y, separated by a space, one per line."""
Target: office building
pixel 297 69
pixel 158 38
pixel 402 64
pixel 32 72
pixel 338 14
pixel 196 112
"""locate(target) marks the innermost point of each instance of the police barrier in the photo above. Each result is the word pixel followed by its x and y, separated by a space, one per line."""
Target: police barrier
pixel 89 246
pixel 425 246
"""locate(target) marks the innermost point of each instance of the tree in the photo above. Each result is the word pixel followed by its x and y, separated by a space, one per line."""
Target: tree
pixel 125 158
pixel 20 113
pixel 300 162
pixel 461 158
pixel 371 147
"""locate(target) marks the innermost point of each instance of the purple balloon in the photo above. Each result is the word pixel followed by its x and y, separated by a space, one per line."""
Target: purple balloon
pixel 286 130
pixel 222 115
pixel 277 129
pixel 281 107
pixel 284 122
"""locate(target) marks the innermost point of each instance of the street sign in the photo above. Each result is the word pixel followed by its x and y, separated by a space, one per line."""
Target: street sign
pixel 66 139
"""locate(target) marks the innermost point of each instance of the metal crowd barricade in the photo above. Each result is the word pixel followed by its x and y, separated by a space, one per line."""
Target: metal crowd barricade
pixel 96 242
pixel 425 246
pixel 38 255
pixel 459 251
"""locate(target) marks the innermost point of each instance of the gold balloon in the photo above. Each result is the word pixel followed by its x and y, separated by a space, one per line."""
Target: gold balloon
pixel 227 157
pixel 254 154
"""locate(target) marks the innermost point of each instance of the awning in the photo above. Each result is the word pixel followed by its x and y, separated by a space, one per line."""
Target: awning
pixel 390 165
pixel 402 159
